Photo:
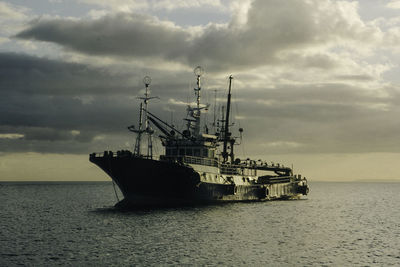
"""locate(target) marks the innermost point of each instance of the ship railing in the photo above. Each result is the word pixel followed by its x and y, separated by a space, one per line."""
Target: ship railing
pixel 229 169
pixel 200 161
pixel 226 168
pixel 251 169
pixel 99 154
pixel 191 160
pixel 267 179
pixel 119 153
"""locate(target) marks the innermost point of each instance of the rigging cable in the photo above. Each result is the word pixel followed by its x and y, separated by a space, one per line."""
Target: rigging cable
pixel 109 165
pixel 238 118
pixel 115 191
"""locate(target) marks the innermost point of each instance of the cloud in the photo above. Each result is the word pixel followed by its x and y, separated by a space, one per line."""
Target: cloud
pixel 116 35
pixel 34 75
pixel 284 144
pixel 61 107
pixel 271 29
pixel 11 136
pixel 393 4
pixel 12 12
pixel 140 5
pixel 52 105
pixel 307 79
pixel 13 18
pixel 54 114
pixel 328 117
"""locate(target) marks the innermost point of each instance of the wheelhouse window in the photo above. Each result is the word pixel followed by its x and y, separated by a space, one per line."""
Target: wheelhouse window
pixel 189 152
pixel 181 152
pixel 196 152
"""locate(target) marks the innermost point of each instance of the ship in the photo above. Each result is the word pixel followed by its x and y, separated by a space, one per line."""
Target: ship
pixel 197 166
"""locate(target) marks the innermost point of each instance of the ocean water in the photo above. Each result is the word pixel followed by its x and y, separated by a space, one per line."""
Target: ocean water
pixel 75 224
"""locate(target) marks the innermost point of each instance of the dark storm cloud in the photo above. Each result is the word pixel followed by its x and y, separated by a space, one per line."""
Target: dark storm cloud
pixel 272 27
pixel 55 105
pixel 59 107
pixel 119 35
pixel 288 118
pixel 52 117
pixel 65 113
pixel 33 75
pixel 330 117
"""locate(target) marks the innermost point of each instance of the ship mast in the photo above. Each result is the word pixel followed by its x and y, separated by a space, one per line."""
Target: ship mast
pixel 139 132
pixel 195 112
pixel 147 129
pixel 227 134
pixel 198 71
pixel 215 110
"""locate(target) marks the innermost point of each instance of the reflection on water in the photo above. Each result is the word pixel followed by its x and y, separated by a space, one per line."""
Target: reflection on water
pixel 76 224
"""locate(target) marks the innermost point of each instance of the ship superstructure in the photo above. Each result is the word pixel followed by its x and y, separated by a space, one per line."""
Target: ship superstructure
pixel 197 166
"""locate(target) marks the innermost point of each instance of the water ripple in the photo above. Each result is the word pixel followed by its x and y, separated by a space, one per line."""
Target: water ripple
pixel 339 224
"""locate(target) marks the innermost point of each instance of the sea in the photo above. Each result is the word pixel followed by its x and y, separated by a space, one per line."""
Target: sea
pixel 76 224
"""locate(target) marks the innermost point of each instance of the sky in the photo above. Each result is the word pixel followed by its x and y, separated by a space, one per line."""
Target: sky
pixel 316 82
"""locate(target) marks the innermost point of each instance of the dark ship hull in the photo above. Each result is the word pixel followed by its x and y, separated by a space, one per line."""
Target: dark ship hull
pixel 161 182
